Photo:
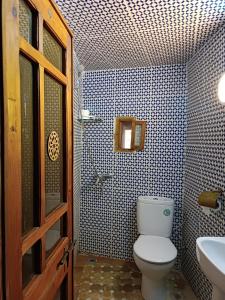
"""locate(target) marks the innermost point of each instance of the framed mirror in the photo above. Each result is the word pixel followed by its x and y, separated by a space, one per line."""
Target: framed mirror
pixel 129 134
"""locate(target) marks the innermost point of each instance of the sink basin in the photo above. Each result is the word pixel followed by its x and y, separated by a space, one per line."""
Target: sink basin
pixel 211 257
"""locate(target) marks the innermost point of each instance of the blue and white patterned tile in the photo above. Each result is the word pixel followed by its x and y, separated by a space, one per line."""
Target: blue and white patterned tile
pixel 140 33
pixel 155 171
pixel 78 148
pixel 131 173
pixel 124 224
pixel 204 158
pixel 96 242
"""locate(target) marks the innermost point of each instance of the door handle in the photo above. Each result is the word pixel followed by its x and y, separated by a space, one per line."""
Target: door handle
pixel 72 245
pixel 65 257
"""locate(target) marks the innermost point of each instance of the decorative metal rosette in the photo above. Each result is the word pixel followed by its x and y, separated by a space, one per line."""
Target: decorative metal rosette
pixel 53 146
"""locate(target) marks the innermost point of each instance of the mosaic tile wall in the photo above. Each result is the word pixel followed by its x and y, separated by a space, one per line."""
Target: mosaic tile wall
pixel 158 95
pixel 205 163
pixel 77 146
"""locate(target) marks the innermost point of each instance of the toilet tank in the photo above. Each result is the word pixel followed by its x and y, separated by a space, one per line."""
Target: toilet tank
pixel 155 215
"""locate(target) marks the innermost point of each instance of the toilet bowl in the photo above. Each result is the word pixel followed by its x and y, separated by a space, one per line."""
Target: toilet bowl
pixel 154 256
pixel 153 251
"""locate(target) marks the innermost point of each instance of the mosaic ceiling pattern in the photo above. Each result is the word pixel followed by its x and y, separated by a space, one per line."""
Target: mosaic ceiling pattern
pixel 140 33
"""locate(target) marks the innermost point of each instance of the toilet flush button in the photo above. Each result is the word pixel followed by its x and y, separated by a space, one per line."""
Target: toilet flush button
pixel 166 212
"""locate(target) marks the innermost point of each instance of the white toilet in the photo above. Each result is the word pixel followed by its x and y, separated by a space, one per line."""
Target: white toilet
pixel 154 253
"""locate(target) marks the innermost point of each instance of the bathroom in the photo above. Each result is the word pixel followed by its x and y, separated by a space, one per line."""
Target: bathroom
pixel 117 165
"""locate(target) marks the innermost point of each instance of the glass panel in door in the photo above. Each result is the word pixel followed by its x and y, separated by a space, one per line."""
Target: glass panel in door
pixel 53 236
pixel 52 50
pixel 30 263
pixel 54 143
pixel 25 21
pixel 29 186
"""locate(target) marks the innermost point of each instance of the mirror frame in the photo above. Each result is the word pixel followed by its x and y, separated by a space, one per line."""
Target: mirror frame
pixel 118 134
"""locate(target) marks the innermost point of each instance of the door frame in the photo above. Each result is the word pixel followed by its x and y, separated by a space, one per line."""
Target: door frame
pixel 15 245
pixel 1 177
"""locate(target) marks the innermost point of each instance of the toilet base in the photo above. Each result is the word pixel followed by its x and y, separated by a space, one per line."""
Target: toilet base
pixel 152 290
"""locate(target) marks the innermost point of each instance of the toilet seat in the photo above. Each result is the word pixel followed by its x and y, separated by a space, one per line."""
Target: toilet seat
pixel 155 249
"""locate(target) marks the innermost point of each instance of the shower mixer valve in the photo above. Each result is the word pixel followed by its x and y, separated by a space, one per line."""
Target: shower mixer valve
pixel 101 178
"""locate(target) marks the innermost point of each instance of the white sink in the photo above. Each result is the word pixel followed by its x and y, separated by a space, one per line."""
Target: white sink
pixel 211 257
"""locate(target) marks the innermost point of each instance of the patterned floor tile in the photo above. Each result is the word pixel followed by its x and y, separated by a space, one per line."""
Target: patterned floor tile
pixel 98 278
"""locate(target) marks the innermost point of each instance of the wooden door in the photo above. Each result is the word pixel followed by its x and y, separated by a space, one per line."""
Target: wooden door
pixel 37 79
pixel 1 202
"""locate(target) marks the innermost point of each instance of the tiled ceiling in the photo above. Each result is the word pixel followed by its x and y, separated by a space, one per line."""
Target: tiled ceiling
pixel 140 33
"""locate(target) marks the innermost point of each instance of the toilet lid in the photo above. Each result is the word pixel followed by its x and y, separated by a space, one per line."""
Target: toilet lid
pixel 155 249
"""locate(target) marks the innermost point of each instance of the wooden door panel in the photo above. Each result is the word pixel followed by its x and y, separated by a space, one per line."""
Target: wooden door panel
pixel 12 142
pixel 38 57
pixel 38 233
pixel 36 254
pixel 1 157
pixel 52 270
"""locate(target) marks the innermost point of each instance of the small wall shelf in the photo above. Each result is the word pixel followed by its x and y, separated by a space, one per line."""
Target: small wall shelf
pixel 90 120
